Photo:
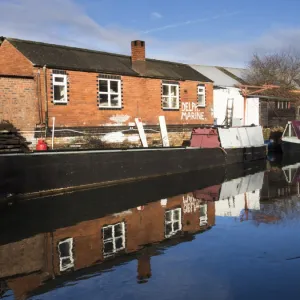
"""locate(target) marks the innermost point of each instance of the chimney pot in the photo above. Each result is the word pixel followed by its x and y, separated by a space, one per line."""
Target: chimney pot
pixel 138 51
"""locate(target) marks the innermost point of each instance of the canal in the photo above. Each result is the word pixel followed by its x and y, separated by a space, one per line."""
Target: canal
pixel 235 236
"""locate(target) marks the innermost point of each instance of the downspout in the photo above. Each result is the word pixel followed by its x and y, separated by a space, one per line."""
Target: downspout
pixel 38 84
pixel 46 99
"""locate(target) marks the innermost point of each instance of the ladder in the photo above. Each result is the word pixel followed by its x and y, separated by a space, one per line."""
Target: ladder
pixel 229 112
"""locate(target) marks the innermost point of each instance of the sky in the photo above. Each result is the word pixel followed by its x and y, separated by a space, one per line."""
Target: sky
pixel 215 32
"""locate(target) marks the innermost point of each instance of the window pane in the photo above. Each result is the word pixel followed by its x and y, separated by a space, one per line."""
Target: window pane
pixel 201 99
pixel 118 230
pixel 165 90
pixel 168 216
pixel 59 92
pixel 119 243
pixel 176 226
pixel 107 233
pixel 108 247
pixel 103 86
pixel 200 90
pixel 176 214
pixel 64 249
pixel 114 100
pixel 59 79
pixel 114 86
pixel 173 90
pixel 65 262
pixel 174 102
pixel 165 102
pixel 169 228
pixel 202 211
pixel 103 100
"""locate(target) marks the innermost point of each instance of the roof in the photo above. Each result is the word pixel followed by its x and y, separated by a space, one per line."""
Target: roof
pixel 277 94
pixel 71 58
pixel 216 75
pixel 239 73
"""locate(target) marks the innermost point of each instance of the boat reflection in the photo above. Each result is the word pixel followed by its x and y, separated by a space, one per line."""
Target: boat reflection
pixel 46 260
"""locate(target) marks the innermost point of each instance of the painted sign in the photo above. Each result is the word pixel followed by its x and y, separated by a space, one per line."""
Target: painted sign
pixel 190 204
pixel 190 111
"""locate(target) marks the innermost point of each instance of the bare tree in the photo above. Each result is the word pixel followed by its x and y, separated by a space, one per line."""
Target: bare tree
pixel 281 69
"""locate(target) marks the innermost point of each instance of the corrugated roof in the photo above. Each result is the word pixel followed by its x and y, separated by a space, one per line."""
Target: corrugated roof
pixel 217 76
pixel 238 72
pixel 71 58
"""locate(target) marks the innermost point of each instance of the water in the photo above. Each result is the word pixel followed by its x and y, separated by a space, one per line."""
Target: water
pixel 239 239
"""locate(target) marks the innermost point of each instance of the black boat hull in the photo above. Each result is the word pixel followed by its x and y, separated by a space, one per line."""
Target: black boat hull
pixel 42 172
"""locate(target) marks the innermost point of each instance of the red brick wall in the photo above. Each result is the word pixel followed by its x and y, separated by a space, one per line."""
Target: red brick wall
pixel 12 62
pixel 18 102
pixel 141 97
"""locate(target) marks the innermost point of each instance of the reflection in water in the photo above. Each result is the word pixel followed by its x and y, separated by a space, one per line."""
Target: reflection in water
pixel 146 241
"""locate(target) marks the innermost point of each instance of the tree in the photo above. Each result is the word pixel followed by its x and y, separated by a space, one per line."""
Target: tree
pixel 282 69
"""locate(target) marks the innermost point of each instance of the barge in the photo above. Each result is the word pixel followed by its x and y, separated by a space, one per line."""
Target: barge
pixel 49 171
pixel 290 141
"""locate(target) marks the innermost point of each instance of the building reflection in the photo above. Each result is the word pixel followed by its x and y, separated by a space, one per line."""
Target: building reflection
pixel 38 264
pixel 138 232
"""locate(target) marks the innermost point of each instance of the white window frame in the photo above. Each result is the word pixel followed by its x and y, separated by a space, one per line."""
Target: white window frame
pixel 113 239
pixel 203 219
pixel 201 90
pixel 173 232
pixel 70 256
pixel 109 93
pixel 283 104
pixel 169 96
pixel 64 84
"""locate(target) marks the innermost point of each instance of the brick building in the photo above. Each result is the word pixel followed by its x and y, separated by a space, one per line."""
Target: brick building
pixel 98 93
pixel 102 243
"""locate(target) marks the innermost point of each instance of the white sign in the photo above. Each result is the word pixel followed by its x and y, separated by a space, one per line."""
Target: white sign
pixel 163 131
pixel 190 111
pixel 142 134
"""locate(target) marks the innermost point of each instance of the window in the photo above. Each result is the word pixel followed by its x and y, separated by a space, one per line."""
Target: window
pixel 65 250
pixel 113 238
pixel 109 93
pixel 60 88
pixel 172 222
pixel 283 105
pixel 201 96
pixel 203 214
pixel 170 96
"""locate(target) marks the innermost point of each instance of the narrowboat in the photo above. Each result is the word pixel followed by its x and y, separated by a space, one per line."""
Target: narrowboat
pixel 49 171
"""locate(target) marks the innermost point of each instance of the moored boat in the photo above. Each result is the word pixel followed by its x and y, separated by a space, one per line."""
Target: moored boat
pixel 48 171
pixel 290 141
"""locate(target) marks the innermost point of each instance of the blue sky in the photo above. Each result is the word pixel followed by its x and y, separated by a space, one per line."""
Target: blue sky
pixel 215 32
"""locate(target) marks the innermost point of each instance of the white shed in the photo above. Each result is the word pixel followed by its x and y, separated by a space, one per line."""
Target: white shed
pixel 226 93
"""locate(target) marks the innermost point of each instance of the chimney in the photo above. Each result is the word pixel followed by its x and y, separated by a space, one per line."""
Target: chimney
pixel 138 52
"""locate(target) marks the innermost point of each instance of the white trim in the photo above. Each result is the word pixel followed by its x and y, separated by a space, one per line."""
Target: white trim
pixel 64 84
pixel 173 221
pixel 170 96
pixel 113 239
pixel 201 90
pixel 292 139
pixel 110 93
pixel 70 256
